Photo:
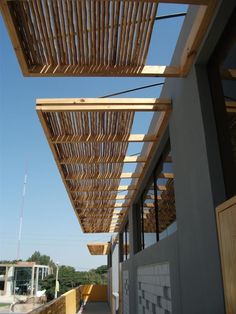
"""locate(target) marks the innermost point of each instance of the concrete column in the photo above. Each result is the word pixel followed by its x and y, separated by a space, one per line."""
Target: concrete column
pixel 37 280
pixel 199 187
pixel 5 281
pixel 32 281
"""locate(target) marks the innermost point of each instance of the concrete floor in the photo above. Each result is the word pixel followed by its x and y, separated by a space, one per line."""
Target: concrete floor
pixel 97 308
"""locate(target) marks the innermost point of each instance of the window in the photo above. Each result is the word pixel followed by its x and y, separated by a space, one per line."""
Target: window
pixel 157 205
pixel 164 182
pixel 126 247
pixel 149 216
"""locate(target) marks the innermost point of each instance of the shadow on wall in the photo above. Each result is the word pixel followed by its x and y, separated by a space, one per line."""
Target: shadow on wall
pixel 94 293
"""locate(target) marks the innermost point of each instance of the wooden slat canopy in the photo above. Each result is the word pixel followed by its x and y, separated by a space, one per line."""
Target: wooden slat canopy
pixel 101 248
pixel 93 169
pixel 95 37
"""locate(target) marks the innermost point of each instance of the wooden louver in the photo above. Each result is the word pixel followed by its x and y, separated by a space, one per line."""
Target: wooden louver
pixel 101 248
pixel 93 169
pixel 94 37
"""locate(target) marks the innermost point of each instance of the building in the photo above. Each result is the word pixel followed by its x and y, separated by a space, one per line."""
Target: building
pixel 22 278
pixel 175 248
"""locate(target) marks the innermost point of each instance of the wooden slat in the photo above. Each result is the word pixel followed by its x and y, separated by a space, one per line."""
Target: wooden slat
pixel 124 175
pixel 103 138
pixel 119 188
pixel 100 198
pixel 101 160
pixel 98 204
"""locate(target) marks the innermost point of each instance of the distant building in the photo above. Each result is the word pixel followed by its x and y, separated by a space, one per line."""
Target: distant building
pixel 22 278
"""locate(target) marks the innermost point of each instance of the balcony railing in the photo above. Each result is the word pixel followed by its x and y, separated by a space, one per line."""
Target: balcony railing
pixel 71 301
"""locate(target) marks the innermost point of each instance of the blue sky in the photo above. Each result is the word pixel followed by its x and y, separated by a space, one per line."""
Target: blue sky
pixel 50 225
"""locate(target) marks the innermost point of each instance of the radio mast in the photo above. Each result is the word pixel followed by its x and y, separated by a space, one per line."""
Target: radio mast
pixel 21 217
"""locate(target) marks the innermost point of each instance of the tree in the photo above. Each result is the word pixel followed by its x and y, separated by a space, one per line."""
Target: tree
pixel 101 269
pixel 40 259
pixel 69 278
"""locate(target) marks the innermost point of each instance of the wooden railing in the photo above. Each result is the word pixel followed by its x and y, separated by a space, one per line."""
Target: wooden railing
pixel 70 302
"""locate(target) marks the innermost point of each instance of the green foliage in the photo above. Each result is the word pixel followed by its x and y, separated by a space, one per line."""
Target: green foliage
pixel 40 259
pixel 101 270
pixel 48 283
pixel 69 278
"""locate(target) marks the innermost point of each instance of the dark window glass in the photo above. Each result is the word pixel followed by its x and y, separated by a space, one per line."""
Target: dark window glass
pixel 2 270
pixel 149 219
pixel 166 199
pixel 157 206
pixel 126 242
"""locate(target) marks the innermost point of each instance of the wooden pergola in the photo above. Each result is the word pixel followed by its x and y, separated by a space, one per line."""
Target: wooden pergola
pixel 89 139
pixel 95 37
pixel 101 248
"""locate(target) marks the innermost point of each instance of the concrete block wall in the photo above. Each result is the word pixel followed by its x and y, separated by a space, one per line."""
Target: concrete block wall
pixel 126 292
pixel 154 289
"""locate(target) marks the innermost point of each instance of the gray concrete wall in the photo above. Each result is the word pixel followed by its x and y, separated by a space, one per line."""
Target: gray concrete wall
pixel 198 187
pixel 161 252
pixel 115 269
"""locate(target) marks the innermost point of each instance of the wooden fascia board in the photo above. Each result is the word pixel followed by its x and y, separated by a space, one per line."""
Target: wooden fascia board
pixel 102 104
pixel 14 36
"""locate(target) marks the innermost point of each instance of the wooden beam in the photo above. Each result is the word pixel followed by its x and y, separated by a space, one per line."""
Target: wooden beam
pixel 197 33
pixel 228 74
pixel 102 104
pixel 230 106
pixel 111 198
pixel 103 138
pixel 105 71
pixel 109 176
pixel 166 175
pixel 97 205
pixel 102 160
pixel 14 36
pixel 194 2
pixel 105 189
pixel 97 208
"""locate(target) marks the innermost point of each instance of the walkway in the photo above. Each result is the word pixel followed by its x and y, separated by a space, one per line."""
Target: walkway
pixel 97 308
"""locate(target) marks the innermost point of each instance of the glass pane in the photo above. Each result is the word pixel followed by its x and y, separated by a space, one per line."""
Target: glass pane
pixel 166 198
pixel 22 280
pixel 149 217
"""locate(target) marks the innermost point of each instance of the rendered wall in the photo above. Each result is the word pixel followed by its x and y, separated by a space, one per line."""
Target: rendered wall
pixel 163 253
